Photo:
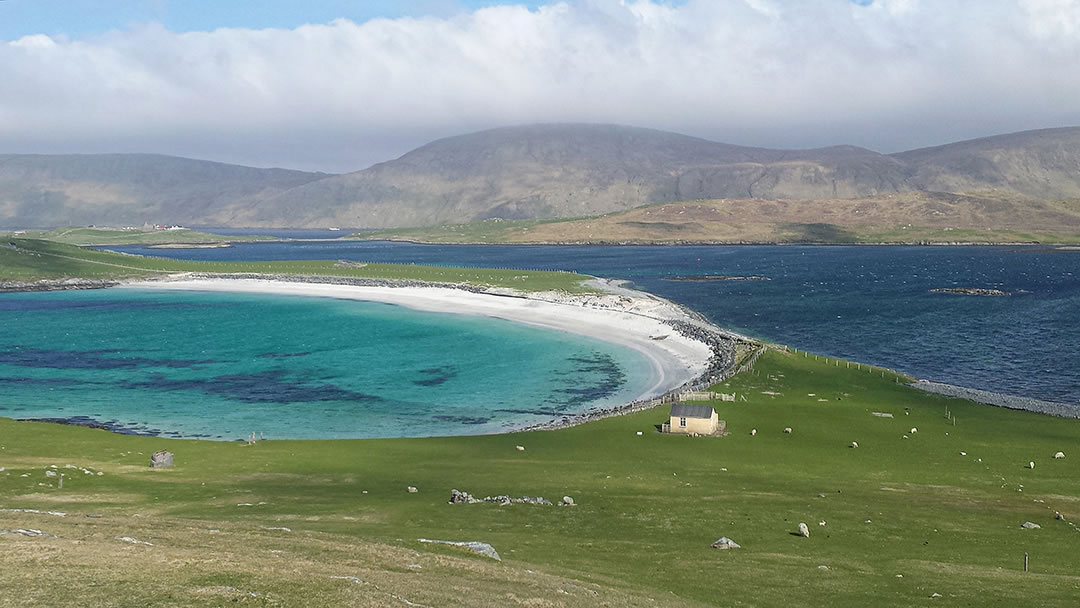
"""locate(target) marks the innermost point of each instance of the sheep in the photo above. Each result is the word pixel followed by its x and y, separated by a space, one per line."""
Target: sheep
pixel 787 430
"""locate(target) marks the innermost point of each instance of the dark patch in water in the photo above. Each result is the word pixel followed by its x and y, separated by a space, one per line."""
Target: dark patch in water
pixel 436 375
pixel 271 386
pixel 463 419
pixel 110 425
pixel 611 378
pixel 283 355
pixel 28 356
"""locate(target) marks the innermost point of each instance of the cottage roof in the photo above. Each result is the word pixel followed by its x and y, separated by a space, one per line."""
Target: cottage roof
pixel 682 410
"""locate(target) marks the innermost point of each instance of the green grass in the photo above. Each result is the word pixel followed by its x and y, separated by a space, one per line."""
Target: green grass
pixel 649 507
pixel 32 259
pixel 114 236
pixel 488 231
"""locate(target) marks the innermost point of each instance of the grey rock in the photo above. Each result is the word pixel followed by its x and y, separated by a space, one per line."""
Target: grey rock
pixel 161 459
pixel 726 543
pixel 480 548
pixel 1027 525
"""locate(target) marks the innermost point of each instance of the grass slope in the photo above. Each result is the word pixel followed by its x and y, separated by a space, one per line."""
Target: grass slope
pixel 29 260
pixel 916 217
pixel 117 236
pixel 649 507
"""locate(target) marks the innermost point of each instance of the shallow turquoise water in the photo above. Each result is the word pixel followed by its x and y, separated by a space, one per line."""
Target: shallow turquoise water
pixel 222 366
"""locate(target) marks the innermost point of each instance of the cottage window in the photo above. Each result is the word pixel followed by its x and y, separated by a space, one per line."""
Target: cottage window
pixel 682 422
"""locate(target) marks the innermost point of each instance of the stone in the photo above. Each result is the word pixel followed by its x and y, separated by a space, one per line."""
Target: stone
pixel 461 498
pixel 1059 455
pixel 804 530
pixel 823 567
pixel 726 543
pixel 936 595
pixel 162 459
pixel 412 489
pixel 1027 525
pixel 477 547
pixel 566 501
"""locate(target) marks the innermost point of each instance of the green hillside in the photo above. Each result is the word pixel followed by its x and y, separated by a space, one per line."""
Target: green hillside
pixel 906 515
pixel 25 260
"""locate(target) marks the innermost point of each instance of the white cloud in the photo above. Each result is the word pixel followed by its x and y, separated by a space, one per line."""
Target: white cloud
pixel 892 74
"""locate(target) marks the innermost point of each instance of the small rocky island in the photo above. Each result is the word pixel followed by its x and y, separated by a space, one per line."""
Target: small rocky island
pixel 718 277
pixel 971 291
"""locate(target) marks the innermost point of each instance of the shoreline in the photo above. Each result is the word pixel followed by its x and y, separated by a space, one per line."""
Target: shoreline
pixel 673 318
pixel 679 361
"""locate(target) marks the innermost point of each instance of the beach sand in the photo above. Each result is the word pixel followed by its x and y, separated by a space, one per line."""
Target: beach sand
pixel 618 318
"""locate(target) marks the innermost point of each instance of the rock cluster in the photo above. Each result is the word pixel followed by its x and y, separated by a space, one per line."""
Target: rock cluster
pixel 458 497
pixel 1007 401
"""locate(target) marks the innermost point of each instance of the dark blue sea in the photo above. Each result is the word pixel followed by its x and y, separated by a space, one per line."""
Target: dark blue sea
pixel 869 304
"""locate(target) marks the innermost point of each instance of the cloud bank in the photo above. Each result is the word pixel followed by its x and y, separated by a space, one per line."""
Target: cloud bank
pixel 886 74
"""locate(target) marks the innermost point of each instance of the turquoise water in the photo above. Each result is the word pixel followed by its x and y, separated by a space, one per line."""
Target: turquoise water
pixel 222 366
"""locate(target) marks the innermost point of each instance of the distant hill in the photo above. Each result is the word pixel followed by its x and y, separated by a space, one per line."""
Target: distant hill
pixel 40 190
pixel 527 172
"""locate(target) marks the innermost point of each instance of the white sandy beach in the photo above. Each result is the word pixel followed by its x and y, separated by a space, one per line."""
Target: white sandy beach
pixel 618 319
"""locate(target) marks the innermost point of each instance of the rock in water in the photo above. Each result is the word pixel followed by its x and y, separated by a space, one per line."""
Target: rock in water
pixel 161 459
pixel 1059 455
pixel 804 530
pixel 726 543
pixel 1027 525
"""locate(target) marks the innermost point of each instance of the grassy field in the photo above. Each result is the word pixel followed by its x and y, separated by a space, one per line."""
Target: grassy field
pixel 31 259
pixel 915 217
pixel 75 235
pixel 907 514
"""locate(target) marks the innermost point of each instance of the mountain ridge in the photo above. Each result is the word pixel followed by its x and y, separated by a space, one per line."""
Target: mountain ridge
pixel 523 172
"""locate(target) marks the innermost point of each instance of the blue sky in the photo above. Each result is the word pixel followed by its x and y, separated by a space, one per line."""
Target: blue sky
pixel 84 18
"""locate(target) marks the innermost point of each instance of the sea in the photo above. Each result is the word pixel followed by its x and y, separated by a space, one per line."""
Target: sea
pixel 873 304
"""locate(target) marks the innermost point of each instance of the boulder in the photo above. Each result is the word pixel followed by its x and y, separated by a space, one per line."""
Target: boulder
pixel 461 498
pixel 162 459
pixel 804 530
pixel 1027 525
pixel 726 543
pixel 1059 455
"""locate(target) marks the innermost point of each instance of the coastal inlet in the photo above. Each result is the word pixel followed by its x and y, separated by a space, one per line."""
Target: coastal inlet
pixel 224 365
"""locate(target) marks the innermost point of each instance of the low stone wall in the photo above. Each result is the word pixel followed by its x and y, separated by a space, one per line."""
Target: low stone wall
pixel 1012 402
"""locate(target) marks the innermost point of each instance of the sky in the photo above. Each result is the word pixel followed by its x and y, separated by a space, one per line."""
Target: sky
pixel 337 86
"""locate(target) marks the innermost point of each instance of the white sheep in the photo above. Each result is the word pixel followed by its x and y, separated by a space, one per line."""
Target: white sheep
pixel 787 430
pixel 854 444
pixel 753 432
pixel 914 430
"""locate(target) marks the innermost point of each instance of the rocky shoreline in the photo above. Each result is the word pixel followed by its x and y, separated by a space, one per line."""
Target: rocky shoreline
pixel 1049 408
pixel 971 291
pixel 55 285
